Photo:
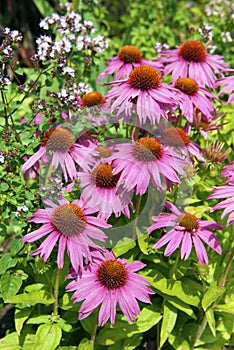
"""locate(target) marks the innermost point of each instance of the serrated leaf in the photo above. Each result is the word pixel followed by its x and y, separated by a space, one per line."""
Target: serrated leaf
pixel 21 315
pixel 48 337
pixel 6 262
pixel 212 293
pixel 10 285
pixel 168 322
pixel 86 344
pixel 211 321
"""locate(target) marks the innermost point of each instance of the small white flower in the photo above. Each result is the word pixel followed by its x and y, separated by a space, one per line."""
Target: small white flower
pixel 2 159
pixel 68 70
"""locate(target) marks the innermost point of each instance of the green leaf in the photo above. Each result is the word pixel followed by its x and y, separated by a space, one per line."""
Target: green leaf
pixel 39 319
pixel 127 344
pixel 4 187
pixel 212 293
pixel 16 246
pixel 66 327
pixel 178 342
pixel 186 289
pixel 43 7
pixel 10 342
pixel 10 285
pixel 19 71
pixel 48 337
pixel 149 316
pixel 20 317
pixel 123 246
pixel 211 321
pixel 29 342
pixel 180 305
pixel 90 322
pixel 142 240
pixel 228 308
pixel 7 262
pixel 86 344
pixel 32 298
pixel 168 322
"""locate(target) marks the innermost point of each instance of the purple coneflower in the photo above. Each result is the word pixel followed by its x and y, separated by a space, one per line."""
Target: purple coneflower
pixel 190 96
pixel 72 225
pixel 144 160
pixel 143 90
pixel 98 107
pixel 129 57
pixel 103 192
pixel 226 191
pixel 228 83
pixel 178 138
pixel 110 282
pixel 187 228
pixel 192 60
pixel 60 144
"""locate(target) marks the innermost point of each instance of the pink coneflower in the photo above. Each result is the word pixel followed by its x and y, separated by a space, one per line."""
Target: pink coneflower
pixel 60 144
pixel 144 160
pixel 187 228
pixel 72 225
pixel 178 138
pixel 103 192
pixel 98 107
pixel 228 83
pixel 191 96
pixel 129 57
pixel 111 282
pixel 226 191
pixel 192 60
pixel 143 90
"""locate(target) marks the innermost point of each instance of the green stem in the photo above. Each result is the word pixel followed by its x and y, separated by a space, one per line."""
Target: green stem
pixel 136 214
pixel 5 111
pixel 174 267
pixel 56 292
pixel 93 334
pixel 221 283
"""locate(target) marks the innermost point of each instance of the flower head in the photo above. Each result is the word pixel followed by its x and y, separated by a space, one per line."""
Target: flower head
pixel 186 229
pixel 72 226
pixel 179 139
pixel 103 192
pixel 226 191
pixel 129 57
pixel 143 91
pixel 192 60
pixel 60 144
pixel 191 96
pixel 144 160
pixel 228 83
pixel 110 282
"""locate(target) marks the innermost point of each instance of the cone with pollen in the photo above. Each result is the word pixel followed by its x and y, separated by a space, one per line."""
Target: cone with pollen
pixel 191 60
pixel 142 94
pixel 93 98
pixel 107 283
pixel 185 229
pixel 58 147
pixel 103 192
pixel 144 161
pixel 128 58
pixel 72 226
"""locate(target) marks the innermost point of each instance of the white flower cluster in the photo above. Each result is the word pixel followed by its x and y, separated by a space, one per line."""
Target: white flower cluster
pixel 206 32
pixel 4 80
pixel 70 95
pixel 20 211
pixel 71 33
pixel 220 8
pixel 226 37
pixel 12 35
pixel 159 47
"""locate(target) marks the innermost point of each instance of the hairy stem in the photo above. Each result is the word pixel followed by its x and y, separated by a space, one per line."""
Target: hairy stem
pixel 56 292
